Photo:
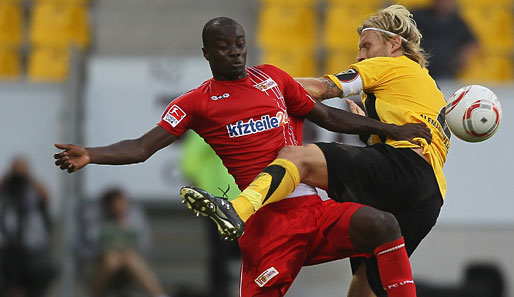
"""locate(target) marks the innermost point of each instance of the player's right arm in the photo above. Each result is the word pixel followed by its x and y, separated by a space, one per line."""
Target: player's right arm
pixel 74 157
pixel 341 85
pixel 320 88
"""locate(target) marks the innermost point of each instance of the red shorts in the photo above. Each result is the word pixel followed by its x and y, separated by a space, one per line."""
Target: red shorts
pixel 282 237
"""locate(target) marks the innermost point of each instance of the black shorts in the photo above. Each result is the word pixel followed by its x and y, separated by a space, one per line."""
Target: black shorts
pixel 396 180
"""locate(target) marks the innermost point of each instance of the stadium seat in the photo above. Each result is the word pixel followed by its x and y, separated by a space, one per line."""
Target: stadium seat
pixel 298 3
pixel 488 67
pixel 296 63
pixel 506 4
pixel 493 26
pixel 59 25
pixel 340 28
pixel 11 24
pixel 337 61
pixel 285 27
pixel 83 2
pixel 414 4
pixel 376 4
pixel 10 61
pixel 48 64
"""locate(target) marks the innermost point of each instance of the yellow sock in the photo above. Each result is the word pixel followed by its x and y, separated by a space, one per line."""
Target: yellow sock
pixel 273 184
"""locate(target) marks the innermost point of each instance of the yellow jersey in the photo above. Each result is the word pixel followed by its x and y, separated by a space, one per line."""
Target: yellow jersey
pixel 399 91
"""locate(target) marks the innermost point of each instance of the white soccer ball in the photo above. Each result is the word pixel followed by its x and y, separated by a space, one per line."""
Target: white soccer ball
pixel 473 113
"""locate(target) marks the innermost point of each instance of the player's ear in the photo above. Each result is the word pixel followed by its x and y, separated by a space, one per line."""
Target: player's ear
pixel 396 43
pixel 205 53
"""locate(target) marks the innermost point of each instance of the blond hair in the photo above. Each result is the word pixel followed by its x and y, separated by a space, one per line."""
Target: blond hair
pixel 398 20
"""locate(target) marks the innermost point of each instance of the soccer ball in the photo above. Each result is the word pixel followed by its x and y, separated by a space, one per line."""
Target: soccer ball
pixel 473 113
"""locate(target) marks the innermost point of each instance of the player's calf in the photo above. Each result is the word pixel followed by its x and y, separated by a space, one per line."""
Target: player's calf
pixel 377 232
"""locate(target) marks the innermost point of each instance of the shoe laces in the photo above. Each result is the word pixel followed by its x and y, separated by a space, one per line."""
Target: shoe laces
pixel 224 192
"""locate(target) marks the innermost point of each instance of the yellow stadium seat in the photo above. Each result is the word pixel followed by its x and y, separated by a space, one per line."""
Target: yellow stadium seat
pixel 493 26
pixel 506 4
pixel 298 3
pixel 296 63
pixel 10 61
pixel 488 67
pixel 414 4
pixel 48 64
pixel 11 25
pixel 337 61
pixel 358 3
pixel 83 2
pixel 340 28
pixel 59 25
pixel 285 27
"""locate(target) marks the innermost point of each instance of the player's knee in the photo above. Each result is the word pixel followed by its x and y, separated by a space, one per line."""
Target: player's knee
pixel 291 153
pixel 299 156
pixel 371 227
pixel 386 227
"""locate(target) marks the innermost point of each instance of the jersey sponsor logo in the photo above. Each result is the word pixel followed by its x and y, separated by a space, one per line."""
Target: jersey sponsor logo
pixel 226 95
pixel 174 115
pixel 266 276
pixel 266 85
pixel 265 123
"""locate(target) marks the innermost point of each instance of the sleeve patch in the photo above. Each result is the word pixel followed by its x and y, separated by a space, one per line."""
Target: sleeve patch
pixel 174 115
pixel 348 75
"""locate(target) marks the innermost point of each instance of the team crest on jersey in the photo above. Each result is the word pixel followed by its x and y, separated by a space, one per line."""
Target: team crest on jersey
pixel 266 85
pixel 266 276
pixel 265 123
pixel 174 115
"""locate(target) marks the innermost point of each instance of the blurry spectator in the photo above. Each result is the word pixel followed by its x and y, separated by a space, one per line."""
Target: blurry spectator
pixel 446 37
pixel 204 169
pixel 120 240
pixel 25 234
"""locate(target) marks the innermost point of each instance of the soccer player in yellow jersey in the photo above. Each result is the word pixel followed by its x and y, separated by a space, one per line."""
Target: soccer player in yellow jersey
pixel 401 177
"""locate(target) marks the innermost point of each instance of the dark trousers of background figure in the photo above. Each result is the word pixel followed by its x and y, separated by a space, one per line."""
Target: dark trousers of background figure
pixel 31 273
pixel 224 263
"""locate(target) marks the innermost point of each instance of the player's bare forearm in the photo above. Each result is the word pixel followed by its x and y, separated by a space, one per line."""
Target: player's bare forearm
pixel 74 157
pixel 320 88
pixel 132 150
pixel 120 153
pixel 341 121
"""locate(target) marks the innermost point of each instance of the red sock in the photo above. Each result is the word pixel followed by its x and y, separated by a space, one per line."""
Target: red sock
pixel 394 268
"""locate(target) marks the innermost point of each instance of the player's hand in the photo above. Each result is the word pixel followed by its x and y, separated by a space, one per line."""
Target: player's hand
pixel 354 108
pixel 410 131
pixel 72 157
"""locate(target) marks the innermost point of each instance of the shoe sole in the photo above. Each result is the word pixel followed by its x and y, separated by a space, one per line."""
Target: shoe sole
pixel 197 202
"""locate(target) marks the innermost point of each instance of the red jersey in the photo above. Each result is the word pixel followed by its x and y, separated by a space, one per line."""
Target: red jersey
pixel 246 121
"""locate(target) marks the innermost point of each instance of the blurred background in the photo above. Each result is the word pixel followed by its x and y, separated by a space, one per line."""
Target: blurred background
pixel 93 72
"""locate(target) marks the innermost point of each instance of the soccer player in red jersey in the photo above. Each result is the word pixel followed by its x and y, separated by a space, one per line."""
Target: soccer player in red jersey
pixel 247 114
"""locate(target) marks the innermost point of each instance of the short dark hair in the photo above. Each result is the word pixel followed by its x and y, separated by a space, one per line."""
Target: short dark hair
pixel 213 24
pixel 108 197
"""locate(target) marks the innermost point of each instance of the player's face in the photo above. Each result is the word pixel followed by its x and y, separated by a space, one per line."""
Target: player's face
pixel 372 45
pixel 226 52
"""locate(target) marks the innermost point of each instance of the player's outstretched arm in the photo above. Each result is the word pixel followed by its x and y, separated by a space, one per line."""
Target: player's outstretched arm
pixel 320 88
pixel 338 120
pixel 74 157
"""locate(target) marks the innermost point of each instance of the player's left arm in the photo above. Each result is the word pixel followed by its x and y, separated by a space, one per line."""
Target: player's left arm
pixel 341 121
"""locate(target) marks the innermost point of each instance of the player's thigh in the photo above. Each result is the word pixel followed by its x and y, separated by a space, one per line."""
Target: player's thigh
pixel 310 161
pixel 275 243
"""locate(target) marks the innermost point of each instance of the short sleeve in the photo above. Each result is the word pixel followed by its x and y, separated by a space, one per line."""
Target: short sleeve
pixel 178 116
pixel 373 72
pixel 299 103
